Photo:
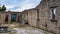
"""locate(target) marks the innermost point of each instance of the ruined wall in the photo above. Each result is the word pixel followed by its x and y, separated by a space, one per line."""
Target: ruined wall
pixel 3 16
pixel 32 17
pixel 44 18
pixel 45 15
pixel 29 16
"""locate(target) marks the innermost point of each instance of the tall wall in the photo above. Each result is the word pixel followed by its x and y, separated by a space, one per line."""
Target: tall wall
pixel 29 16
pixel 41 16
pixel 45 15
pixel 32 17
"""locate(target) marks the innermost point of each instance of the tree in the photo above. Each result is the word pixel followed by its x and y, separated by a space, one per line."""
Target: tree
pixel 0 8
pixel 3 8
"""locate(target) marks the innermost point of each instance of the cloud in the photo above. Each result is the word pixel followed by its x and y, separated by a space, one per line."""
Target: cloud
pixel 10 6
pixel 27 4
pixel 23 7
pixel 19 5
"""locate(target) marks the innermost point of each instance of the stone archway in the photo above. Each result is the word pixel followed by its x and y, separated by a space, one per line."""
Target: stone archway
pixel 6 19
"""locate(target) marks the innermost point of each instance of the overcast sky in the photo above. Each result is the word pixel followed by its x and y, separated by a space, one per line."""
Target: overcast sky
pixel 19 5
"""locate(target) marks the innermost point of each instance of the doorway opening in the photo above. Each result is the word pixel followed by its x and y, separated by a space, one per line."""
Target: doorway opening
pixel 6 19
pixel 13 17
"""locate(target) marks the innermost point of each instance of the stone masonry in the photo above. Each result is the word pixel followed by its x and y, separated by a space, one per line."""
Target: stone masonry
pixel 3 16
pixel 45 16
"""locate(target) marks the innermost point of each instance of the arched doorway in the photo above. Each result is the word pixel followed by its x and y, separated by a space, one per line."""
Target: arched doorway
pixel 6 19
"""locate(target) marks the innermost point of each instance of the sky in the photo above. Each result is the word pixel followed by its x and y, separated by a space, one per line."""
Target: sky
pixel 19 5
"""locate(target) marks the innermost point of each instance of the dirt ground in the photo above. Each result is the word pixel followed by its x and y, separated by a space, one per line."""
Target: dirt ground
pixel 19 29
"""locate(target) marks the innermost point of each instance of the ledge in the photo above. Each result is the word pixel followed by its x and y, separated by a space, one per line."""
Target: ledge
pixel 53 20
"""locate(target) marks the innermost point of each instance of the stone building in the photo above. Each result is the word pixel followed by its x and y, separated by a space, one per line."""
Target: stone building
pixel 49 15
pixel 45 16
pixel 29 16
pixel 9 17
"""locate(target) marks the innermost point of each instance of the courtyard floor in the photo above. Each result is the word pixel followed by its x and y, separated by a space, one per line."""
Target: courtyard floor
pixel 18 29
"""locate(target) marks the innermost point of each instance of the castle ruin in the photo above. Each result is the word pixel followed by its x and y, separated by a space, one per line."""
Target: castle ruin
pixel 45 16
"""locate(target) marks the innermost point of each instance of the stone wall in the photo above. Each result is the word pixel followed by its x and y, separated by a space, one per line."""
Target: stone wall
pixel 29 16
pixel 41 16
pixel 3 16
pixel 32 17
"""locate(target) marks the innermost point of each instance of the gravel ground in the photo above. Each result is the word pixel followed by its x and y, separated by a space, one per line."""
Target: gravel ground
pixel 30 31
pixel 26 30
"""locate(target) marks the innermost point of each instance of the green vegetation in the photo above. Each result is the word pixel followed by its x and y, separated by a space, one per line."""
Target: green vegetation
pixel 3 8
pixel 0 8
